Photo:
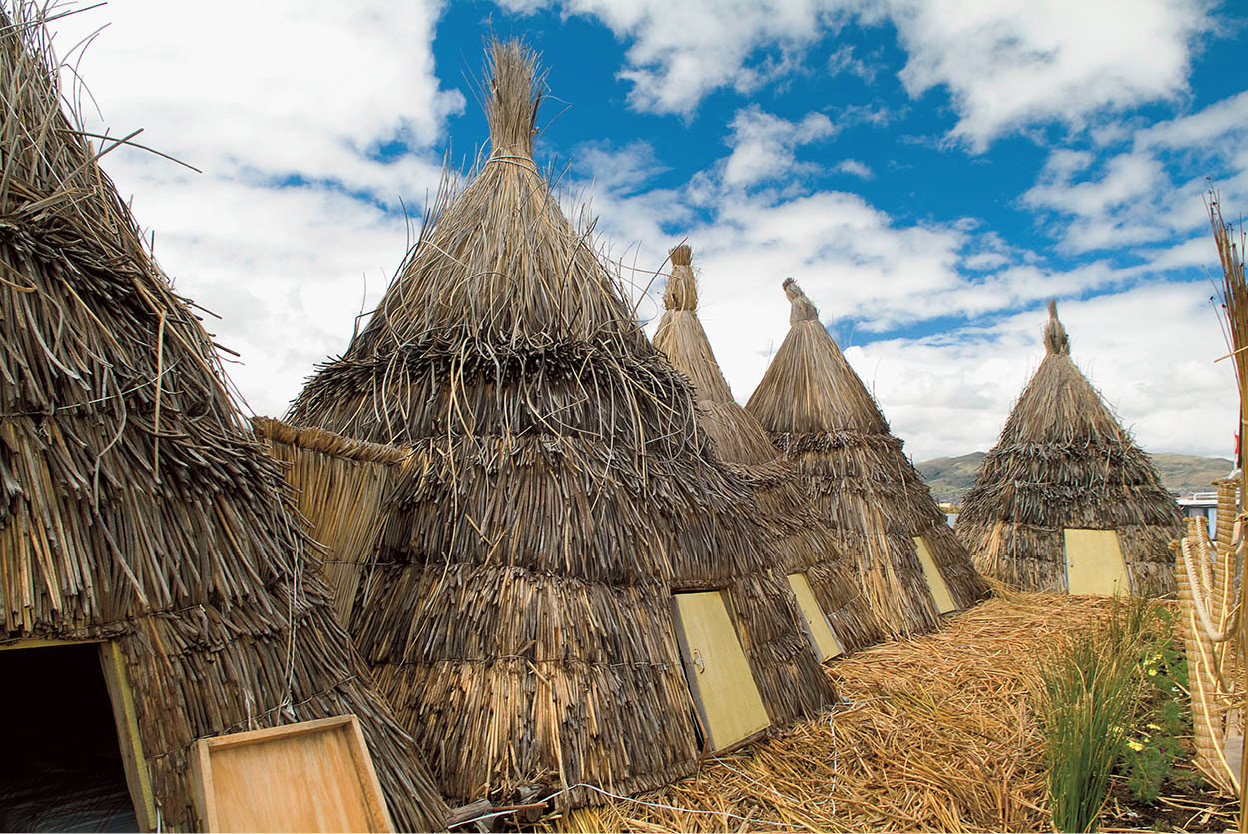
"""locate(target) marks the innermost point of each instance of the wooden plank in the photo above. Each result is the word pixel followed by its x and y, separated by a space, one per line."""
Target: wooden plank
pixel 39 643
pixel 817 627
pixel 126 717
pixel 1094 563
pixel 935 582
pixel 727 698
pixel 312 776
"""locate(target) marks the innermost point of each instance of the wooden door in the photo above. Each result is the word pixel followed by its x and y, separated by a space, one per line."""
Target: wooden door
pixel 935 582
pixel 1094 563
pixel 729 706
pixel 817 627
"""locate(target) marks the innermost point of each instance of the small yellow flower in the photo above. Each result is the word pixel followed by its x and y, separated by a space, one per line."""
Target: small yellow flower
pixel 1135 745
pixel 1152 673
pixel 1152 726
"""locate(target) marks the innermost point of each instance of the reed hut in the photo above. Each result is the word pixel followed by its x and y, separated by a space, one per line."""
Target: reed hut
pixel 563 559
pixel 819 414
pixel 143 532
pixel 801 545
pixel 1066 501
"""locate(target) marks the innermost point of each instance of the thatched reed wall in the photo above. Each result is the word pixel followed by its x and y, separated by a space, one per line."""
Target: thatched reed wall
pixel 798 539
pixel 341 487
pixel 1064 461
pixel 558 490
pixel 819 413
pixel 134 505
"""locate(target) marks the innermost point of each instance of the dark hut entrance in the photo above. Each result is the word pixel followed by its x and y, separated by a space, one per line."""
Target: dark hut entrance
pixel 63 768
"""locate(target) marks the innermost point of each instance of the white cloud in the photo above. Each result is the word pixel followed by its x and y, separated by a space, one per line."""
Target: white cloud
pixel 286 107
pixel 764 146
pixel 855 168
pixel 950 394
pixel 681 51
pixel 1150 192
pixel 1012 63
pixel 1006 64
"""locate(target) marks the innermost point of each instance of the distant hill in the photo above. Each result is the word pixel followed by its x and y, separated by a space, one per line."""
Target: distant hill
pixel 950 478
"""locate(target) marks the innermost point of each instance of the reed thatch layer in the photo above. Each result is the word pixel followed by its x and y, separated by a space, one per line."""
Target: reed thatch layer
pixel 935 734
pixel 134 505
pixel 829 426
pixel 800 540
pixel 1064 461
pixel 559 488
pixel 340 488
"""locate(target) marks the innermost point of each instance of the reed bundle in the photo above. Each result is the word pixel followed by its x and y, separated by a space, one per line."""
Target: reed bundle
pixel 340 486
pixel 1064 461
pixel 558 489
pixel 821 416
pixel 135 506
pixel 799 541
pixel 934 734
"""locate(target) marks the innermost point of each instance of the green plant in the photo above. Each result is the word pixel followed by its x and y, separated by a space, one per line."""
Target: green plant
pixel 1103 694
pixel 1161 715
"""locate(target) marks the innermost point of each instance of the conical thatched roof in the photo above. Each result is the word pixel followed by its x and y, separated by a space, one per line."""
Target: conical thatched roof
pixel 135 507
pixel 821 415
pixel 557 492
pixel 1065 462
pixel 801 542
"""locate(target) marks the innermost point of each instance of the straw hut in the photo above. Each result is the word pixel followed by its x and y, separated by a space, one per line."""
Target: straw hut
pixel 143 532
pixel 563 559
pixel 801 544
pixel 910 565
pixel 1066 500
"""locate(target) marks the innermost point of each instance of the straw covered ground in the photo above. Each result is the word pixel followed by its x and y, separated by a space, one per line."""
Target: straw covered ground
pixel 933 734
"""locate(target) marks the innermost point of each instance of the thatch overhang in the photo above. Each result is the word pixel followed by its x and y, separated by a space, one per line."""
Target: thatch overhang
pixel 136 509
pixel 1064 461
pixel 799 540
pixel 558 490
pixel 821 416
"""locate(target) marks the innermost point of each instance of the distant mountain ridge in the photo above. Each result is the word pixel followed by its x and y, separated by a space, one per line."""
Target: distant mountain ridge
pixel 950 478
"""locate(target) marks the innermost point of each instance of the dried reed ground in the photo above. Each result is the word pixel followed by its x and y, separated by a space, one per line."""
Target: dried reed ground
pixel 936 735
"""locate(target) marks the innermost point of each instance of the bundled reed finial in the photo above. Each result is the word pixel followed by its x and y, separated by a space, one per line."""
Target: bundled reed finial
pixel 682 289
pixel 515 89
pixel 1055 338
pixel 803 308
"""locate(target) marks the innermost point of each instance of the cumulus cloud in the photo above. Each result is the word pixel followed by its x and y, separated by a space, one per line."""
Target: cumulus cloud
pixel 764 146
pixel 1139 194
pixel 856 168
pixel 1006 64
pixel 310 121
pixel 1011 63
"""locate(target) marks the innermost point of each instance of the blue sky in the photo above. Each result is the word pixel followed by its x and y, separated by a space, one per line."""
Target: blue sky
pixel 931 172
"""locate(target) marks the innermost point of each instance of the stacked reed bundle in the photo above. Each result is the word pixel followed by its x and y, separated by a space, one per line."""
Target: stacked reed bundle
pixel 341 486
pixel 558 489
pixel 800 541
pixel 1208 623
pixel 1064 461
pixel 1235 301
pixel 134 505
pixel 819 413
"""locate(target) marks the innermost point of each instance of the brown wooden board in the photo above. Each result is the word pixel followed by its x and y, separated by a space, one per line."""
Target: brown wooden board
pixel 310 776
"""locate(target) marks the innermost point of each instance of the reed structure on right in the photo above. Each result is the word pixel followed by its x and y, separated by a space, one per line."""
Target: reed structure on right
pixel 1066 501
pixel 817 411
